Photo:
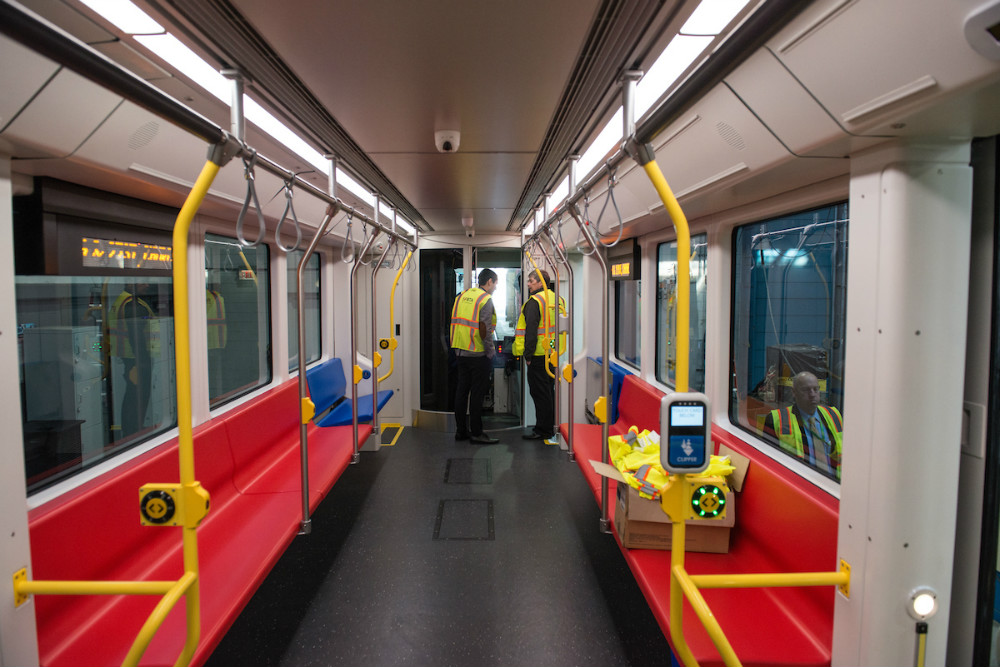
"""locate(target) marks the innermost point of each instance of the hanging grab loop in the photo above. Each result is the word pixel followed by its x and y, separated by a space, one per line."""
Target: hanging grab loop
pixel 611 198
pixel 248 169
pixel 581 234
pixel 345 256
pixel 289 208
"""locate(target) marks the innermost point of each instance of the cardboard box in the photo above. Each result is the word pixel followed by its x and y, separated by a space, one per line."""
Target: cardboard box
pixel 642 524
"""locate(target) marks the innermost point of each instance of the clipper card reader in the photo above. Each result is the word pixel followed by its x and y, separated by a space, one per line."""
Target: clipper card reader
pixel 685 425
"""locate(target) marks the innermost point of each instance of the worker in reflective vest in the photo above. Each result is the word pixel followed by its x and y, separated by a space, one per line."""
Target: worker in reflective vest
pixel 135 339
pixel 473 320
pixel 808 430
pixel 533 338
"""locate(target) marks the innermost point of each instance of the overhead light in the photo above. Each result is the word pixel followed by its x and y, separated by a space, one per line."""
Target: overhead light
pixel 189 63
pixel 677 57
pixel 712 16
pixel 125 16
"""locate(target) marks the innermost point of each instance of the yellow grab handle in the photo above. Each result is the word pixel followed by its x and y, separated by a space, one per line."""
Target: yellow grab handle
pixel 601 409
pixel 568 373
pixel 308 410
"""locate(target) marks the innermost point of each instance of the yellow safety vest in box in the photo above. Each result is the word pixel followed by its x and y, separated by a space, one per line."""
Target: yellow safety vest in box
pixel 786 426
pixel 465 320
pixel 215 307
pixel 119 341
pixel 546 300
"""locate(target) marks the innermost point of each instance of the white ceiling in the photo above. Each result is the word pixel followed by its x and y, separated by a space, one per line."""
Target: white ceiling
pixel 392 73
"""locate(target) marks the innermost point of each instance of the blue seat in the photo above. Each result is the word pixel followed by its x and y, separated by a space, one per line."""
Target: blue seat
pixel 328 387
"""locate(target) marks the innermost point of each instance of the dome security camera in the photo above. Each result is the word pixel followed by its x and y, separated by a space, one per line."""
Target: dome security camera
pixel 446 141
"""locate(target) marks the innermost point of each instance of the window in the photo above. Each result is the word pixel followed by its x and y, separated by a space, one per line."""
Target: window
pixel 789 307
pixel 239 316
pixel 666 312
pixel 97 368
pixel 628 309
pixel 311 284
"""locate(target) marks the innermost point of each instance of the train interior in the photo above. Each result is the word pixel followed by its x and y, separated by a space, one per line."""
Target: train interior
pixel 731 197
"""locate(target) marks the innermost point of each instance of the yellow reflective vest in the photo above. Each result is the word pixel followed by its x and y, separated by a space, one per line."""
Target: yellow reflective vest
pixel 546 300
pixel 786 427
pixel 465 320
pixel 121 310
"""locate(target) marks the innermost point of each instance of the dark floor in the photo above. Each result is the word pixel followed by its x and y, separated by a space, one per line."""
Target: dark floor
pixel 433 552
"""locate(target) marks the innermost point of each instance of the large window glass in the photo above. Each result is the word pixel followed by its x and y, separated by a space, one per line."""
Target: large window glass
pixel 666 312
pixel 239 315
pixel 789 307
pixel 628 308
pixel 311 290
pixel 97 368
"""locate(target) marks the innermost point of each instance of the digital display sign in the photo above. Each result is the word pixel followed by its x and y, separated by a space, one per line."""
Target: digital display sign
pixel 109 253
pixel 622 270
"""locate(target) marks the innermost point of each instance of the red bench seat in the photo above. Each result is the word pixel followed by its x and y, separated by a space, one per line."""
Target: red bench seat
pixel 766 626
pixel 248 459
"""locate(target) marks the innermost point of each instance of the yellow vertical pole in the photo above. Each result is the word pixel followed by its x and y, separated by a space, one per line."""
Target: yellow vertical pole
pixel 683 271
pixel 182 343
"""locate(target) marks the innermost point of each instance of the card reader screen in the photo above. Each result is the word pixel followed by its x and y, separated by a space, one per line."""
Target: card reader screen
pixel 687 415
pixel 687 436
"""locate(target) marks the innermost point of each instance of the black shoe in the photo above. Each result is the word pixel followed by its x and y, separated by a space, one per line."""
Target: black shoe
pixel 534 435
pixel 483 439
pixel 461 436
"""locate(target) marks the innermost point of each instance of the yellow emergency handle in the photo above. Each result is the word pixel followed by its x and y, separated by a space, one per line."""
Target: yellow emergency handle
pixel 601 409
pixel 392 344
pixel 568 373
pixel 308 410
pixel 358 374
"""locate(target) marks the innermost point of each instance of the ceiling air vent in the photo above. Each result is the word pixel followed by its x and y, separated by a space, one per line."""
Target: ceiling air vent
pixel 142 136
pixel 730 135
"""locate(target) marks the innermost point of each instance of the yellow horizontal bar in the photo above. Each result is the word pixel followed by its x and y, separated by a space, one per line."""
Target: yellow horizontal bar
pixel 685 581
pixel 769 580
pixel 30 587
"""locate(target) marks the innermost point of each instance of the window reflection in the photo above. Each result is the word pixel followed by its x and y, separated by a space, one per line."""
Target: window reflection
pixel 790 286
pixel 666 312
pixel 239 312
pixel 311 284
pixel 97 368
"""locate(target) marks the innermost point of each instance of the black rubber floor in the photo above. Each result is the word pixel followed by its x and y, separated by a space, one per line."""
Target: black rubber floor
pixel 435 552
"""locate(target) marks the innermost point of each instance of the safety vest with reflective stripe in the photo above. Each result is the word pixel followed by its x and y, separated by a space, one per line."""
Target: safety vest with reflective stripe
pixel 786 427
pixel 215 308
pixel 120 344
pixel 545 299
pixel 465 320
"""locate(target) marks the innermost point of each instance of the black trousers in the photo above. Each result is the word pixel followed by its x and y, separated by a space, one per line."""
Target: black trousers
pixel 472 383
pixel 543 393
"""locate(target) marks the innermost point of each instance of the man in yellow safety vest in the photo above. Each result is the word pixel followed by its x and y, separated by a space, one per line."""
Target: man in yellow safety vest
pixel 534 338
pixel 134 337
pixel 808 430
pixel 473 320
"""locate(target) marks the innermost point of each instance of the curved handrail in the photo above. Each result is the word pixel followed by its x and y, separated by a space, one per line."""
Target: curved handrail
pixel 392 318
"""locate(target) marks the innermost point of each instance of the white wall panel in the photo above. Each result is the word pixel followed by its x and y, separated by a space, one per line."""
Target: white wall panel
pixel 20 83
pixel 43 123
